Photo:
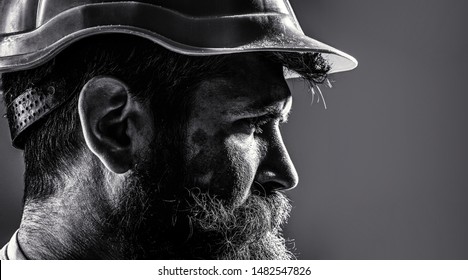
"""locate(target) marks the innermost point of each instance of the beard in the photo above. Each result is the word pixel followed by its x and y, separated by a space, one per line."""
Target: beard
pixel 249 231
pixel 162 216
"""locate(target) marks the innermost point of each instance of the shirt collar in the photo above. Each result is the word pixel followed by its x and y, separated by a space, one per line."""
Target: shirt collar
pixel 12 250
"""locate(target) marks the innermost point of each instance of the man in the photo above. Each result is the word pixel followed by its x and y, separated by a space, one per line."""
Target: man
pixel 150 129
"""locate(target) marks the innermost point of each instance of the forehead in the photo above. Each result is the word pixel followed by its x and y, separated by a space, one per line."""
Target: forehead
pixel 250 80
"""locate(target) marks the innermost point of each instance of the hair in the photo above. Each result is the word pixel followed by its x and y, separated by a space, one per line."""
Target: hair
pixel 153 74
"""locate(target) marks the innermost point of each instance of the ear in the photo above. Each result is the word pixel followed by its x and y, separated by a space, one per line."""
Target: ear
pixel 114 125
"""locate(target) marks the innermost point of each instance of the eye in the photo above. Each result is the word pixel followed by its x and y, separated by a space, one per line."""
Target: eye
pixel 256 125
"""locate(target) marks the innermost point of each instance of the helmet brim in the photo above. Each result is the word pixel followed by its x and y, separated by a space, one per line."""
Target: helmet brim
pixel 199 36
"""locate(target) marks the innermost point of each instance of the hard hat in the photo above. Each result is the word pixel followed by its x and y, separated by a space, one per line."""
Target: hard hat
pixel 34 31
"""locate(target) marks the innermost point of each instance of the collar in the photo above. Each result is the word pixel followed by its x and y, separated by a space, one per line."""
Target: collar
pixel 12 250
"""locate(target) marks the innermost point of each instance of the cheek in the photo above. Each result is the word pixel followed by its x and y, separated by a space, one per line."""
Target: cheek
pixel 244 159
pixel 221 164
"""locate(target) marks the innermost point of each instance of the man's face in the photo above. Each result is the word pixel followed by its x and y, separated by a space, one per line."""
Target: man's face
pixel 234 146
pixel 221 199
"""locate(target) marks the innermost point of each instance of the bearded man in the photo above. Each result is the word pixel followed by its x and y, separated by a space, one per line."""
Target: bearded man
pixel 151 129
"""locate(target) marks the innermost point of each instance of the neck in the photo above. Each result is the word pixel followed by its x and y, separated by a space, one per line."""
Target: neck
pixel 68 226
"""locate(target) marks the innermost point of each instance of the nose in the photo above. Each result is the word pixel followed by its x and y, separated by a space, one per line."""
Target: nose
pixel 276 170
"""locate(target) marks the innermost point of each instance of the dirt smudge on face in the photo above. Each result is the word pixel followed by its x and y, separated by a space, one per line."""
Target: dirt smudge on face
pixel 199 137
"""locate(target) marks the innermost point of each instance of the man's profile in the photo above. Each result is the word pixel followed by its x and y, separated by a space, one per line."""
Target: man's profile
pixel 151 129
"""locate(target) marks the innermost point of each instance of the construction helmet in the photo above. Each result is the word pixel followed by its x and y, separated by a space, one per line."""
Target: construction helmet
pixel 34 31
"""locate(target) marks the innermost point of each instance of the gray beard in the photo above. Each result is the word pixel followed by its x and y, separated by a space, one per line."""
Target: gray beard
pixel 250 231
pixel 154 223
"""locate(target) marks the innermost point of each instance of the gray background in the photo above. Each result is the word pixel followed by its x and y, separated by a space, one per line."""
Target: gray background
pixel 382 170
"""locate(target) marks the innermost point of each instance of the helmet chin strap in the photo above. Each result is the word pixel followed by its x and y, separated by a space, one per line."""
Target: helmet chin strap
pixel 30 106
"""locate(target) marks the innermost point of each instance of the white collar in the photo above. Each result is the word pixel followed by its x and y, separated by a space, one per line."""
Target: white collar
pixel 12 250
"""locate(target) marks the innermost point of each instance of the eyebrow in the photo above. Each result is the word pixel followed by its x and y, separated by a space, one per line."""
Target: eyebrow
pixel 271 111
pixel 275 113
pixel 283 118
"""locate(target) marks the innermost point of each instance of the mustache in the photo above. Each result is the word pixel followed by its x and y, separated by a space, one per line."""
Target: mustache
pixel 274 209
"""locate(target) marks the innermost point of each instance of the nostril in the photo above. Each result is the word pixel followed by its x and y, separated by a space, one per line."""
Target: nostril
pixel 266 188
pixel 258 189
